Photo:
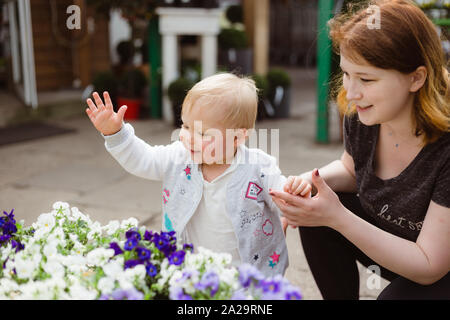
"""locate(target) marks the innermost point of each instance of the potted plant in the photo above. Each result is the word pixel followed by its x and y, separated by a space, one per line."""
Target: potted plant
pixel 131 86
pixel 177 91
pixel 234 50
pixel 279 92
pixel 265 108
pixel 107 81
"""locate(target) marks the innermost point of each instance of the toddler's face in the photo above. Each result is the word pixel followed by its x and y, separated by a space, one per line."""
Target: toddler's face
pixel 205 136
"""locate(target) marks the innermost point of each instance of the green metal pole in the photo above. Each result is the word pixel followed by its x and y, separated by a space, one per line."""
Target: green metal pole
pixel 324 53
pixel 154 51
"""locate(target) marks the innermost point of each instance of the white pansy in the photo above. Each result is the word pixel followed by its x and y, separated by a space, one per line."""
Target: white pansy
pixel 50 250
pixel 129 223
pixel 54 268
pixel 113 268
pixel 106 285
pixel 124 282
pixel 78 248
pixel 44 224
pixel 24 268
pixel 96 229
pixel 64 207
pixel 6 251
pixel 99 256
pixel 79 292
pixel 112 227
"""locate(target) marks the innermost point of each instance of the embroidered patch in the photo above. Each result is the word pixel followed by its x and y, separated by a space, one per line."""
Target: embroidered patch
pixel 247 219
pixel 166 193
pixel 267 227
pixel 253 190
pixel 274 259
pixel 168 223
pixel 256 257
pixel 187 170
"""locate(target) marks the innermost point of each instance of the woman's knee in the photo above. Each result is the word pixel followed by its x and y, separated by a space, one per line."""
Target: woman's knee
pixel 404 289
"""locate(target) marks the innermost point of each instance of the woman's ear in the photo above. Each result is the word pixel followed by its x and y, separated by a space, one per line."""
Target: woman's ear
pixel 418 78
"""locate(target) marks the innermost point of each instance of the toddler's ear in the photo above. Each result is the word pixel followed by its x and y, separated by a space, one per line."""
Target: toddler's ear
pixel 240 136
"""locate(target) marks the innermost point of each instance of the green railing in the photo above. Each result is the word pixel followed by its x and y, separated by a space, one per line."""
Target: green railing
pixel 324 54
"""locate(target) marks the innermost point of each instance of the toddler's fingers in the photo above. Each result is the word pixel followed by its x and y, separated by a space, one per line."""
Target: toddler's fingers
pixel 296 184
pixel 91 105
pixel 108 101
pixel 98 100
pixel 306 191
pixel 288 184
pixel 300 189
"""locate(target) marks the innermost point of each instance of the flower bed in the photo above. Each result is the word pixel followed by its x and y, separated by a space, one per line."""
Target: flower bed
pixel 65 255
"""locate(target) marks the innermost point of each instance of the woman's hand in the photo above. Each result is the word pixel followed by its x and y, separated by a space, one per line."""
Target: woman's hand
pixel 324 209
pixel 103 116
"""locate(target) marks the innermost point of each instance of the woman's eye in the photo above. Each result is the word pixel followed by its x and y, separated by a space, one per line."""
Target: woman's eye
pixel 366 80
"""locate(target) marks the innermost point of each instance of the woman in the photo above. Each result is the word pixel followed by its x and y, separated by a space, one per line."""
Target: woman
pixel 386 202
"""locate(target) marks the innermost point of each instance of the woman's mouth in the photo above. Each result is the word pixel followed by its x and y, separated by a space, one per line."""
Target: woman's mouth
pixel 362 109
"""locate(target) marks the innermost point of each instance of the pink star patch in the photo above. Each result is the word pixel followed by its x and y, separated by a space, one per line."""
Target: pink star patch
pixel 275 257
pixel 187 170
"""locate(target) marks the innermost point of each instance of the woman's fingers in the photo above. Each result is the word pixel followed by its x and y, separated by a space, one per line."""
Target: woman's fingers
pixel 290 199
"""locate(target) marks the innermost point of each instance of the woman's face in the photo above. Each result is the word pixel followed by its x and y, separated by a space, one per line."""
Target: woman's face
pixel 380 95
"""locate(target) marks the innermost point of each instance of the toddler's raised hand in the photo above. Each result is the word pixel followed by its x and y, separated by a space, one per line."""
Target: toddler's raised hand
pixel 103 116
pixel 298 186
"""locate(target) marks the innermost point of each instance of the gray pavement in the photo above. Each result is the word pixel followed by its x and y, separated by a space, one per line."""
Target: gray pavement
pixel 76 168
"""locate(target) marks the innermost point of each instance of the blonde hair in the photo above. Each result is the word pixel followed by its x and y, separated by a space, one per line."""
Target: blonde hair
pixel 236 96
pixel 406 40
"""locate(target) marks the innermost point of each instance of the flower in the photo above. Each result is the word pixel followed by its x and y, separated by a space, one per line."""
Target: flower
pixel 132 233
pixel 65 255
pixel 116 248
pixel 132 263
pixel 119 294
pixel 249 274
pixel 148 235
pixel 177 293
pixel 143 253
pixel 177 258
pixel 130 244
pixel 210 280
pixel 151 270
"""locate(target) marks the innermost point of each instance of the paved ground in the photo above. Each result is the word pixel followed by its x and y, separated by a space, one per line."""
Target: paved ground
pixel 77 169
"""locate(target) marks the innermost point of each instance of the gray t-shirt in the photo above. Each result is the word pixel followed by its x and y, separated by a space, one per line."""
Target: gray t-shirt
pixel 398 205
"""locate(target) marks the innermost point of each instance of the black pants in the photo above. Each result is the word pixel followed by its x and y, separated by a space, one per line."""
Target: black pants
pixel 332 260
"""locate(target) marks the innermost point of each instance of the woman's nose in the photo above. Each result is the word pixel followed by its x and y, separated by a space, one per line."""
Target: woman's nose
pixel 353 91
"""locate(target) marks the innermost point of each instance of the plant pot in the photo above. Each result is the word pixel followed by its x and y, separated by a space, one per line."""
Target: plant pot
pixel 133 107
pixel 177 115
pixel 281 100
pixel 240 60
